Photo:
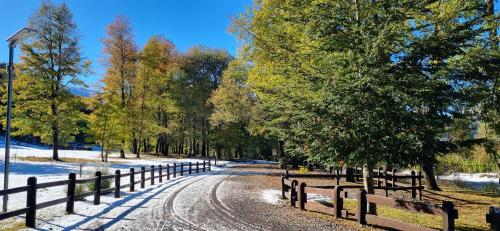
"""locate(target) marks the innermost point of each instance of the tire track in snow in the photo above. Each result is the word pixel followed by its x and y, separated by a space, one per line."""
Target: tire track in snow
pixel 226 213
pixel 176 220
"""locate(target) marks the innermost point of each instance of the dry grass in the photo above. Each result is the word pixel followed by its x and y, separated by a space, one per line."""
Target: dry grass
pixel 472 208
pixel 12 224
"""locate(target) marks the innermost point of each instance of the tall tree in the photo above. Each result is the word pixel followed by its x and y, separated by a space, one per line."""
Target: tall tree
pixel 201 69
pixel 50 63
pixel 365 82
pixel 154 91
pixel 121 60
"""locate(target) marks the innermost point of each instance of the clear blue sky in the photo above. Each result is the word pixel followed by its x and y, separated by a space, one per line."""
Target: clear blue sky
pixel 186 22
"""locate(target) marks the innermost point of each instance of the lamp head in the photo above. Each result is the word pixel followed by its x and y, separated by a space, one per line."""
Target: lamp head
pixel 20 35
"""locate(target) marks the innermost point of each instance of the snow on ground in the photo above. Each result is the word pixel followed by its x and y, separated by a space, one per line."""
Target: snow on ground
pixel 113 213
pixel 472 177
pixel 272 196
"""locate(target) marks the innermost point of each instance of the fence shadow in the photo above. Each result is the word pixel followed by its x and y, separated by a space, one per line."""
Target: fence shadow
pixel 120 203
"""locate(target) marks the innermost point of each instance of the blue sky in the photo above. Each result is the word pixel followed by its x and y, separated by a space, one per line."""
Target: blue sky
pixel 186 22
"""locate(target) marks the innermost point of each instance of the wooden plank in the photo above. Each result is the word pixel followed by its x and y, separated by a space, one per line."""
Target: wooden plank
pixel 83 181
pixel 319 207
pixel 51 203
pixel 14 190
pixel 320 191
pixel 403 204
pixel 107 177
pixel 52 184
pixel 390 223
pixel 83 195
pixel 125 186
pixel 12 213
pixel 108 190
pixel 125 174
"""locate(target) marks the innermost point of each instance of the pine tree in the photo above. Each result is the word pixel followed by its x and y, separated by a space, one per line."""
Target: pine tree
pixel 50 63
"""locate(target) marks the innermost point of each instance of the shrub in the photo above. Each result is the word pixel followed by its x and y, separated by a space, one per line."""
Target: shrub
pixel 104 169
pixel 303 169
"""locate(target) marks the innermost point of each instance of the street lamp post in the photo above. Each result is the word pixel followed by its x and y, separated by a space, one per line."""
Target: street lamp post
pixel 12 40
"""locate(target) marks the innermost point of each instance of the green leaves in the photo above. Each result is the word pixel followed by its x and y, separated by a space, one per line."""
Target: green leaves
pixel 364 81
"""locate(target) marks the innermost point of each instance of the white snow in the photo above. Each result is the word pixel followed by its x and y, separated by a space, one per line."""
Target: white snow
pixel 472 177
pixel 272 196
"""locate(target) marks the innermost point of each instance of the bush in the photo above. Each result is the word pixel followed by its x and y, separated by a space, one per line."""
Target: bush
pixel 475 160
pixel 104 169
pixel 303 169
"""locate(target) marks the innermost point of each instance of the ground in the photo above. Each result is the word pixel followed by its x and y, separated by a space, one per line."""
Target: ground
pixel 234 196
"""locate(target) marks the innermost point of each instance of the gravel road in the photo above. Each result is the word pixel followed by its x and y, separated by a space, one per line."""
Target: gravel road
pixel 228 199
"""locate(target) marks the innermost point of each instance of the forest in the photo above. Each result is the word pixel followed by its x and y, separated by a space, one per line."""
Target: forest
pixel 367 83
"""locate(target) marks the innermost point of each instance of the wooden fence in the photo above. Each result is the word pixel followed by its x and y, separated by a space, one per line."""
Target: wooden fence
pixel 297 192
pixel 383 179
pixel 32 187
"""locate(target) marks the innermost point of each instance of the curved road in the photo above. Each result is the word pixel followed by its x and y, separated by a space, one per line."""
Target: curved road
pixel 220 200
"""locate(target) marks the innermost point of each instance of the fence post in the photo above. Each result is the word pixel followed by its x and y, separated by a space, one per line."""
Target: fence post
pixel 361 214
pixel 143 177
pixel 31 203
pixel 357 174
pixel 70 204
pixel 338 202
pixel 197 167
pixel 117 183
pixel 168 171
pixel 493 218
pixel 160 173
pixel 394 178
pixel 449 216
pixel 420 185
pixel 283 187
pixel 182 169
pixel 379 172
pixel 337 178
pixel 152 175
pixel 349 174
pixel 132 180
pixel 302 196
pixel 413 185
pixel 293 192
pixel 97 188
pixel 203 166
pixel 175 170
pixel 190 166
pixel 385 183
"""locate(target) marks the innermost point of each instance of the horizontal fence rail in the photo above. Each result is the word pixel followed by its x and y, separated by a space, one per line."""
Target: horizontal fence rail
pixel 155 172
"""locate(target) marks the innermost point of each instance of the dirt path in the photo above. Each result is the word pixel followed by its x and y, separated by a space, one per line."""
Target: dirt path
pixel 231 199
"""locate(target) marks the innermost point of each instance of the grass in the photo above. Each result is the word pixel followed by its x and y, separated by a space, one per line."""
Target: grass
pixel 11 225
pixel 474 160
pixel 472 208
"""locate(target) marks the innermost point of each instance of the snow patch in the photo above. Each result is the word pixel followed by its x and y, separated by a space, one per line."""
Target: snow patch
pixel 472 177
pixel 272 196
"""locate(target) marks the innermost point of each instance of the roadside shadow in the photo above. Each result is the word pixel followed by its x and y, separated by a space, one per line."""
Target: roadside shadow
pixel 120 203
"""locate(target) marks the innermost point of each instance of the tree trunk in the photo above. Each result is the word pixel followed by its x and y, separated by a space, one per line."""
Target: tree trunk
pixel 430 179
pixel 122 151
pixel 55 142
pixel 102 150
pixel 369 187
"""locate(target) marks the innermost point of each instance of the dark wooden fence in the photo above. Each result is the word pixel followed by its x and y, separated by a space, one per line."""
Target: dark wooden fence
pixel 32 187
pixel 493 218
pixel 383 179
pixel 297 192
